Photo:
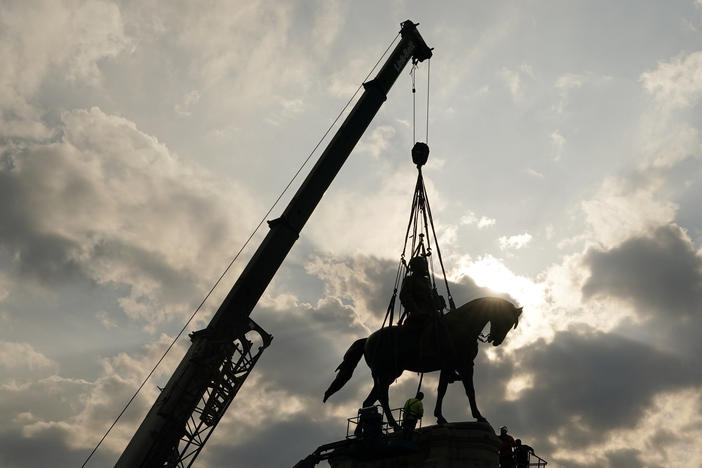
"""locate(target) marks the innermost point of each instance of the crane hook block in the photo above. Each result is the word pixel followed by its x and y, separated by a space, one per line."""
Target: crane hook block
pixel 420 153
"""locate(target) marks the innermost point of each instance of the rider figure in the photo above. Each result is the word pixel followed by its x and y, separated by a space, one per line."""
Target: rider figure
pixel 417 297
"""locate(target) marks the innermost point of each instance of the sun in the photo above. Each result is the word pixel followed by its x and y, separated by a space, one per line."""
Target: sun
pixel 490 272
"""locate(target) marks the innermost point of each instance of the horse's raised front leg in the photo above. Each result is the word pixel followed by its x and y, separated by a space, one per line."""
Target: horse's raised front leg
pixel 467 375
pixel 440 392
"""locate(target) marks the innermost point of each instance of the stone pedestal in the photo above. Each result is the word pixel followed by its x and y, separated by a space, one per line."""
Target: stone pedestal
pixel 463 444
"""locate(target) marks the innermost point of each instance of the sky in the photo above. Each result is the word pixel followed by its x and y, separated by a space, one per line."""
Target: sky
pixel 141 142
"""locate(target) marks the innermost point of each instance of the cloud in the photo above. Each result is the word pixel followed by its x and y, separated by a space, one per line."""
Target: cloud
pixel 20 452
pixel 190 99
pixel 481 223
pixel 625 208
pixel 514 242
pixel 622 377
pixel 32 46
pixel 111 204
pixel 660 273
pixel 557 141
pixel 492 274
pixel 672 144
pixel 4 287
pixel 595 394
pixel 484 222
pixel 288 109
pixel 512 80
pixel 328 23
pixel 677 83
pixel 668 137
pixel 364 282
pixel 374 221
pixel 74 38
pixel 20 356
pixel 378 141
pixel 87 408
pixel 302 435
pixel 534 173
pixel 344 81
pixel 569 81
pixel 565 84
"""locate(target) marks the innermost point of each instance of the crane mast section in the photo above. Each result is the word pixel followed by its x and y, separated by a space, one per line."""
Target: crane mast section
pixel 183 416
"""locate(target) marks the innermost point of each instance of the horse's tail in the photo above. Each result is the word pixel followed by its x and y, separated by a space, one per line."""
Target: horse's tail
pixel 346 368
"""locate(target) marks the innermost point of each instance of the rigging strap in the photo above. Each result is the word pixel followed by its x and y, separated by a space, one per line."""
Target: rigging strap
pixel 418 235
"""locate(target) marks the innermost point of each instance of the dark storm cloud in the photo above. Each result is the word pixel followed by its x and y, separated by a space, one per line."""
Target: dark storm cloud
pixel 604 379
pixel 108 204
pixel 43 255
pixel 626 458
pixel 175 285
pixel 585 384
pixel 47 449
pixel 277 445
pixel 659 273
pixel 306 350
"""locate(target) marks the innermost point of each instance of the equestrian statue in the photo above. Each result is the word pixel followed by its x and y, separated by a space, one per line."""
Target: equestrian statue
pixel 447 343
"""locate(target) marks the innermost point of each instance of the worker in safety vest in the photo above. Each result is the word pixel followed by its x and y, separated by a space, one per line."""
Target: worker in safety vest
pixel 417 297
pixel 413 411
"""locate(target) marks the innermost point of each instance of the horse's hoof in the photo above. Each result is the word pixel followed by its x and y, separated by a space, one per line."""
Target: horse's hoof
pixel 481 419
pixel 441 420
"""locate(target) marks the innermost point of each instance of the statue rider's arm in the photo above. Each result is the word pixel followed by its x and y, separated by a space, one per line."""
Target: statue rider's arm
pixel 406 296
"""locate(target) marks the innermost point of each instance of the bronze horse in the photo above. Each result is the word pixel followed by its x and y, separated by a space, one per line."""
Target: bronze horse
pixel 450 346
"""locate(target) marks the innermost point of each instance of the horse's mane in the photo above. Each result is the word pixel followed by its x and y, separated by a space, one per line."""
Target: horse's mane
pixel 486 304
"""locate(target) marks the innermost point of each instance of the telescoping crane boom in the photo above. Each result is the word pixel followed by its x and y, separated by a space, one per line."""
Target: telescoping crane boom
pixel 220 357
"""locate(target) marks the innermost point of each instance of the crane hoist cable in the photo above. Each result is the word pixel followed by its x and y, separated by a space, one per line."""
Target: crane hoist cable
pixel 420 228
pixel 418 237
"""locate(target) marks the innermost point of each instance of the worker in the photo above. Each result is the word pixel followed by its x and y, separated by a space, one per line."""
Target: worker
pixel 417 297
pixel 506 455
pixel 521 454
pixel 413 411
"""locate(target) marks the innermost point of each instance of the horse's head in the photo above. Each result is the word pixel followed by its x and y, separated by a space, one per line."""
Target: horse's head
pixel 505 318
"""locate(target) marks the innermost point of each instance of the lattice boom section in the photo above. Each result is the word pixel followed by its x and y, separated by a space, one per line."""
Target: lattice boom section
pixel 223 387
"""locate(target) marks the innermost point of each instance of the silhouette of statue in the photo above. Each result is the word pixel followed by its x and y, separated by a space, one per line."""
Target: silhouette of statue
pixel 416 295
pixel 422 320
pixel 389 352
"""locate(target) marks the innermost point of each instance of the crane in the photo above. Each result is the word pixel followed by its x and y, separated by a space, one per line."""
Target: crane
pixel 220 356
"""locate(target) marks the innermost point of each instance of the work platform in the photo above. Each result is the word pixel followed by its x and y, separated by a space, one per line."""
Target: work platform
pixel 461 444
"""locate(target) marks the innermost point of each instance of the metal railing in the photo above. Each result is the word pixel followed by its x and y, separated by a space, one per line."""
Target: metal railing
pixel 539 463
pixel 398 414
